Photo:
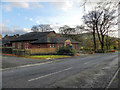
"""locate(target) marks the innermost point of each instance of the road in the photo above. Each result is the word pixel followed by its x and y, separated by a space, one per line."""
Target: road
pixel 94 71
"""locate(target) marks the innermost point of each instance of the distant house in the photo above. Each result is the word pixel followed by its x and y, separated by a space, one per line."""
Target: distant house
pixel 41 40
pixel 6 40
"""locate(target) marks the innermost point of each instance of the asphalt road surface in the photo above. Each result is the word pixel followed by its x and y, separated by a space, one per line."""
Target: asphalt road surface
pixel 94 71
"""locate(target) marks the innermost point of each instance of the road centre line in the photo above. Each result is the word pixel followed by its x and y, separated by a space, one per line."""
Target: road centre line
pixel 26 66
pixel 49 74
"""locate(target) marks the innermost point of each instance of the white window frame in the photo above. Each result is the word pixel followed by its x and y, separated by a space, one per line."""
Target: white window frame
pixel 26 45
pixel 19 45
pixel 13 45
pixel 38 45
pixel 50 45
pixel 53 45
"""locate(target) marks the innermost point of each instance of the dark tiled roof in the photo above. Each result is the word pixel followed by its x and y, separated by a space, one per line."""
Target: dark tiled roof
pixel 53 40
pixel 6 40
pixel 41 37
pixel 32 36
pixel 9 37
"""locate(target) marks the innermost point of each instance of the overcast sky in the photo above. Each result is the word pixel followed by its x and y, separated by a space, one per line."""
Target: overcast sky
pixel 20 16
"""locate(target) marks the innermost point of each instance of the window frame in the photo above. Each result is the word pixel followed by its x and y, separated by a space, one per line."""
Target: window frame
pixel 38 46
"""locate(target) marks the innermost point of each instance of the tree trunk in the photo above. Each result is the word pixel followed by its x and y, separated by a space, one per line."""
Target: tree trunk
pixel 102 43
pixel 94 40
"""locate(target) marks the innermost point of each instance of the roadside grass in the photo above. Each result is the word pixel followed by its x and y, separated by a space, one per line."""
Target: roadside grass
pixel 40 56
pixel 49 56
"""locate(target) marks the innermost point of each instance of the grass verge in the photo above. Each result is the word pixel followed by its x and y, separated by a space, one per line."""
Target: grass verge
pixel 49 56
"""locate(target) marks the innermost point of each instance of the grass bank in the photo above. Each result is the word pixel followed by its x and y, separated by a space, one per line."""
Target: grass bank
pixel 49 56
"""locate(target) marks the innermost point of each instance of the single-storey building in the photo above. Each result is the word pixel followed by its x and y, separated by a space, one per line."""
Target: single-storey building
pixel 41 40
pixel 6 40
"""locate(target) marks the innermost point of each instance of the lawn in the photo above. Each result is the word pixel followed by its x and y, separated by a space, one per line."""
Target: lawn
pixel 49 56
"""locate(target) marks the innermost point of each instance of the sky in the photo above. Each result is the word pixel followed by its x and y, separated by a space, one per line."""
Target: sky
pixel 19 16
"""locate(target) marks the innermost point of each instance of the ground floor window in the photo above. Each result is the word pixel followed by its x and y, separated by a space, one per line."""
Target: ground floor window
pixel 52 45
pixel 13 45
pixel 26 45
pixel 19 45
pixel 38 45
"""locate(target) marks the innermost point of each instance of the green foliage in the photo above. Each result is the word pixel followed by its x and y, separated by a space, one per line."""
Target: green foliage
pixel 21 52
pixel 66 51
pixel 7 50
pixel 99 51
pixel 49 56
pixel 19 49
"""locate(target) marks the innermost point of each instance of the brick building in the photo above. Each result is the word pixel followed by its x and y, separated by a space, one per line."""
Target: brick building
pixel 35 40
pixel 6 40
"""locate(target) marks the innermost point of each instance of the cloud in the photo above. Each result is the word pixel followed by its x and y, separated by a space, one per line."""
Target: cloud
pixel 26 29
pixel 4 28
pixel 37 22
pixel 7 8
pixel 36 5
pixel 15 30
pixel 7 21
pixel 30 19
pixel 20 4
pixel 26 5
pixel 64 5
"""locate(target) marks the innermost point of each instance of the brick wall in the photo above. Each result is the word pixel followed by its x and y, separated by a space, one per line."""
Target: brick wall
pixel 74 45
pixel 22 44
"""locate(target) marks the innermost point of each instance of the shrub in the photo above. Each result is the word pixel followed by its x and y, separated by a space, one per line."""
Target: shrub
pixel 66 51
pixel 7 50
pixel 21 52
pixel 99 51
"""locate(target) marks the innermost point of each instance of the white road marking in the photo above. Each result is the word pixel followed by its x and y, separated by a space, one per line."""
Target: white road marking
pixel 49 74
pixel 112 79
pixel 25 66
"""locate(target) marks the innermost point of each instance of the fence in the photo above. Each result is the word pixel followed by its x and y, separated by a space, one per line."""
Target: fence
pixel 42 50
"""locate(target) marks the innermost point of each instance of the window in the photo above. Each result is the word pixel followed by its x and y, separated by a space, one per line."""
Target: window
pixel 39 46
pixel 50 45
pixel 13 45
pixel 19 45
pixel 76 46
pixel 53 45
pixel 58 46
pixel 26 45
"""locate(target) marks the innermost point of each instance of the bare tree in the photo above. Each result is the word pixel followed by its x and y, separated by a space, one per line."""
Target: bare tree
pixel 100 21
pixel 44 27
pixel 41 28
pixel 66 30
pixel 89 20
pixel 34 29
pixel 79 29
